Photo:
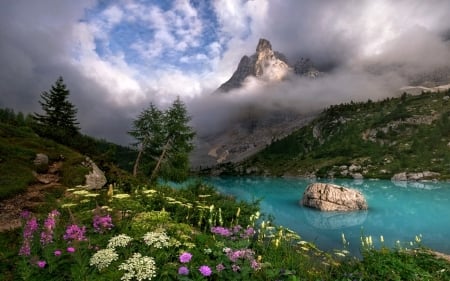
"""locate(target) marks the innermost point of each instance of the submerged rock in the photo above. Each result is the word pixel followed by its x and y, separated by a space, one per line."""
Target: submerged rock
pixel 331 197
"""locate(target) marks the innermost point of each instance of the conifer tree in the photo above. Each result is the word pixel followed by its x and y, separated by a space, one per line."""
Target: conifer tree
pixel 148 130
pixel 165 138
pixel 59 118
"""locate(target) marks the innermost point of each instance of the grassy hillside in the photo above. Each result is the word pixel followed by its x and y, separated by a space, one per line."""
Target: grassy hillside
pixel 374 139
pixel 19 145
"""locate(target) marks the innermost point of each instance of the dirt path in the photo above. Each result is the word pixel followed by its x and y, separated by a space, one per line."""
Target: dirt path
pixel 30 200
pixel 11 208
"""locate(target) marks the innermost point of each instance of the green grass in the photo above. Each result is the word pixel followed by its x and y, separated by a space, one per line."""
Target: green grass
pixel 18 148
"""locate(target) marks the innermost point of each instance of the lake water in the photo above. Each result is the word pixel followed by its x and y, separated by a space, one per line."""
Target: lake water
pixel 397 211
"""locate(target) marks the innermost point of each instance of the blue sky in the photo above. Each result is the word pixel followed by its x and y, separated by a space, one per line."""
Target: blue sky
pixel 116 56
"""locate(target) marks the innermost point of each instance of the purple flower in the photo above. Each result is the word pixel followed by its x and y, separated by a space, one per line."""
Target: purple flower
pixel 101 224
pixel 71 249
pixel 222 231
pixel 249 232
pixel 75 233
pixel 183 270
pixel 255 265
pixel 57 252
pixel 185 257
pixel 41 264
pixel 49 227
pixel 205 270
pixel 220 267
pixel 30 227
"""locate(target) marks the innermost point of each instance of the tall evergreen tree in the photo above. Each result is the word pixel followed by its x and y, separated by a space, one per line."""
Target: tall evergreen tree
pixel 174 158
pixel 165 138
pixel 148 130
pixel 59 118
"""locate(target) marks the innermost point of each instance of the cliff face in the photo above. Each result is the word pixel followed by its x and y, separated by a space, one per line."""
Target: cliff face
pixel 267 65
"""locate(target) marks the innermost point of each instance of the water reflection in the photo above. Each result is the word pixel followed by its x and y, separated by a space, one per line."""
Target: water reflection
pixel 335 220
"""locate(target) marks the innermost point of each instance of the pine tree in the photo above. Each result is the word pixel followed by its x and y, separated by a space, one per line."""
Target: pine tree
pixel 59 119
pixel 165 139
pixel 148 130
pixel 174 158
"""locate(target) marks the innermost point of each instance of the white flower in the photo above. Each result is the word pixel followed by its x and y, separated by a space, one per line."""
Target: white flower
pixel 121 240
pixel 138 267
pixel 121 196
pixel 103 258
pixel 156 239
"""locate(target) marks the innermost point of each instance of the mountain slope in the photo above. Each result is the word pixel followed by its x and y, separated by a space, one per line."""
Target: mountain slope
pixel 372 139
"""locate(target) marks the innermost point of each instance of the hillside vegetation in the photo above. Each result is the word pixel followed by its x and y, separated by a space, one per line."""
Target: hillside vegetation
pixel 19 145
pixel 370 139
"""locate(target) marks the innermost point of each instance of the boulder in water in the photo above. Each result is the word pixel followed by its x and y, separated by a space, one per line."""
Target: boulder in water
pixel 331 197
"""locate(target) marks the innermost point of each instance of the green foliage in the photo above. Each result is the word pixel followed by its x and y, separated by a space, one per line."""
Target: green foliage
pixel 58 121
pixel 164 141
pixel 394 135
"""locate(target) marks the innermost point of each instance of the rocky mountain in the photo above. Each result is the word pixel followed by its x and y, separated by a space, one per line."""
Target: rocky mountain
pixel 267 65
pixel 254 128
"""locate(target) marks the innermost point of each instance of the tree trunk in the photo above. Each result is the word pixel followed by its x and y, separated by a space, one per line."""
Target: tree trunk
pixel 136 163
pixel 161 157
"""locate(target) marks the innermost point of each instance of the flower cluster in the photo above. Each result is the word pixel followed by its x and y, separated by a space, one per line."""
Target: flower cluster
pixel 103 258
pixel 185 258
pixel 75 233
pixel 49 227
pixel 30 227
pixel 241 255
pixel 158 239
pixel 138 267
pixel 121 240
pixel 102 223
pixel 234 232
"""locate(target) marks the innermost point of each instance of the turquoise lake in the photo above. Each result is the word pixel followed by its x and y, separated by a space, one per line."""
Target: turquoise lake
pixel 397 211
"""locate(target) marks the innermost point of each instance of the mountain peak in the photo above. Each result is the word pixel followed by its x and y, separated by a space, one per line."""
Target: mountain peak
pixel 263 45
pixel 264 64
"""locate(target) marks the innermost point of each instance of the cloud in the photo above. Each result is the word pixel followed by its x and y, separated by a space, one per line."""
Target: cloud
pixel 117 56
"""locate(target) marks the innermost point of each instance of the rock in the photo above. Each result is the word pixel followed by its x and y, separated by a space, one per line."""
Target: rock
pixel 419 176
pixel 399 177
pixel 41 159
pixel 96 178
pixel 331 197
pixel 357 176
pixel 41 163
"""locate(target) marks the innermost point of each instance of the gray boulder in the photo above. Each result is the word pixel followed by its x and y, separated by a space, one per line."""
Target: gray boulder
pixel 331 197
pixel 96 178
pixel 41 159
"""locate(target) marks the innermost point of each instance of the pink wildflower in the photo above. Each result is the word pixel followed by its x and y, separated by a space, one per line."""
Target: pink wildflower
pixel 185 257
pixel 57 252
pixel 41 264
pixel 205 270
pixel 183 270
pixel 49 227
pixel 75 233
pixel 101 224
pixel 71 249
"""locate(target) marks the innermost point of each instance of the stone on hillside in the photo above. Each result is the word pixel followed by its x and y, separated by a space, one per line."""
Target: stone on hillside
pixel 331 197
pixel 41 163
pixel 96 178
